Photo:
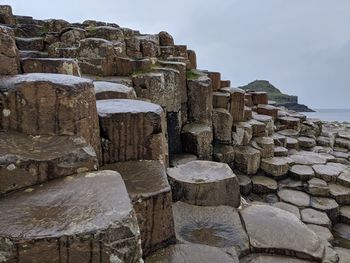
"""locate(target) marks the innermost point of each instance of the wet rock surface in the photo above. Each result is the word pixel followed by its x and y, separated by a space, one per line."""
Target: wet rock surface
pixel 93 202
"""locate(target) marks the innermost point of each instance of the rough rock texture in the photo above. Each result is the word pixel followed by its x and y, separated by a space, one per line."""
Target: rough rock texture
pixel 131 130
pixel 276 166
pixel 50 104
pixel 297 198
pixel 197 139
pixel 54 222
pixel 222 126
pixel 51 65
pixel 150 194
pixel 278 231
pixel 107 90
pixel 204 183
pixel 29 160
pixel 9 55
pixel 218 226
pixel 247 159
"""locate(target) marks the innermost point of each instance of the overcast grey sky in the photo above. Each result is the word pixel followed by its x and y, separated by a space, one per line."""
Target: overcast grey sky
pixel 300 46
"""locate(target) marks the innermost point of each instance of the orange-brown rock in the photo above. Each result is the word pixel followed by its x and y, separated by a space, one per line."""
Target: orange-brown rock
pixel 35 43
pixel 165 39
pixel 221 100
pixel 268 110
pixel 215 79
pixel 51 104
pixel 192 58
pixel 237 104
pixel 225 83
pixel 131 130
pixel 28 160
pixel 150 193
pixel 259 97
pixel 6 16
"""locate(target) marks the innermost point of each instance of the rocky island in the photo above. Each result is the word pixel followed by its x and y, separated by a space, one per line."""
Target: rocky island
pixel 276 97
pixel 115 148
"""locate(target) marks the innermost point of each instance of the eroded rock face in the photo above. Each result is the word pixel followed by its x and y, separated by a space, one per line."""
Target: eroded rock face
pixel 205 183
pixel 150 193
pixel 50 65
pixel 131 130
pixel 247 159
pixel 29 160
pixel 51 104
pixel 9 55
pixel 37 223
pixel 272 230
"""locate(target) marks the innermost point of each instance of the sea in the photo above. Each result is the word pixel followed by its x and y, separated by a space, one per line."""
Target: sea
pixel 340 115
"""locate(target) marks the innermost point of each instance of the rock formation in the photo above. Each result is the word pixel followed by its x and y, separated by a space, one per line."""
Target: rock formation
pixel 115 148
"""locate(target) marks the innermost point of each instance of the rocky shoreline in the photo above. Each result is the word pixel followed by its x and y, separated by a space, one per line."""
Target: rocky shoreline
pixel 115 148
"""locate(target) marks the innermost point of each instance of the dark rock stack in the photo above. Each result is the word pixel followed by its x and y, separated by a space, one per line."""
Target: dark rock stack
pixel 114 147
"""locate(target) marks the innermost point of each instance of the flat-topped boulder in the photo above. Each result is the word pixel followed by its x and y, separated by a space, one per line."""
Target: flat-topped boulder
pixel 301 172
pixel 259 97
pixel 263 185
pixel 308 158
pixel 247 159
pixel 268 110
pixel 66 66
pixel 197 139
pixel 29 160
pixel 265 258
pixel 317 187
pixel 222 126
pixel 216 226
pixel 289 122
pixel 280 151
pixel 258 128
pixel 306 142
pixel 267 120
pixel 340 193
pixel 265 145
pixel 245 184
pixel 292 143
pixel 35 224
pixel 272 230
pixel 204 183
pixel 237 104
pixel 279 139
pixel 275 166
pixel 150 193
pixel 52 104
pixel 191 253
pixel 328 172
pixel 105 90
pixel 312 216
pixel 131 130
pixel 297 198
pixel 289 133
pixel 328 205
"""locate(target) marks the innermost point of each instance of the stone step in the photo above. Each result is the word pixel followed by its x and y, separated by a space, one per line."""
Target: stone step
pixel 269 230
pixel 34 43
pixel 297 198
pixel 308 158
pixel 268 110
pixel 328 172
pixel 30 160
pixel 277 167
pixel 32 54
pixel 191 253
pixel 224 154
pixel 245 184
pixel 280 151
pixel 215 226
pixel 150 193
pixel 301 172
pixel 312 216
pixel 263 185
pixel 259 97
pixel 178 159
pixel 306 142
pixel 292 144
pixel 131 130
pixel 54 104
pixel 289 122
pixel 108 90
pixel 267 120
pixel 328 205
pixel 66 66
pixel 279 139
pixel 83 218
pixel 289 208
pixel 322 232
pixel 204 183
pixel 318 187
pixel 265 145
pixel 242 133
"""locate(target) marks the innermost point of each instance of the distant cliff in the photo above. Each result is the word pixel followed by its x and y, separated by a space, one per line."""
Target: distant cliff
pixel 274 94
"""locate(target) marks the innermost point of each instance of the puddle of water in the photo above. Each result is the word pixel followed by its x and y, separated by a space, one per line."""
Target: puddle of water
pixel 211 234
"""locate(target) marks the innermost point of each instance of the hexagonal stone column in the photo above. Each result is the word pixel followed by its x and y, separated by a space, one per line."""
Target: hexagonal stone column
pixel 29 160
pixel 150 193
pixel 131 130
pixel 66 66
pixel 9 55
pixel 52 104
pixel 84 218
pixel 204 183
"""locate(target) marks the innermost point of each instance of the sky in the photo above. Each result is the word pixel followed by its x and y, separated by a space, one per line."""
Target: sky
pixel 301 46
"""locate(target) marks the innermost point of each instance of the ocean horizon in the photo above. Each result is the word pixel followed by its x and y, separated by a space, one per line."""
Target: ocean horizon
pixel 341 115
